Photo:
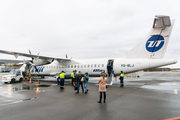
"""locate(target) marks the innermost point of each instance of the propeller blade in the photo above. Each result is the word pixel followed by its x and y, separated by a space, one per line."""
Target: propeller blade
pixel 36 69
pixel 30 53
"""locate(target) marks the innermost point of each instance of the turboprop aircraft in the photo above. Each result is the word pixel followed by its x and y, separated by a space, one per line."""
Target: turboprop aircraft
pixel 147 54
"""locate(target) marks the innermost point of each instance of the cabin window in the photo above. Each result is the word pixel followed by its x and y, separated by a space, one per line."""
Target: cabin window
pixel 102 65
pixel 71 66
pixel 91 65
pixel 98 65
pixel 65 66
pixel 94 65
pixel 59 66
pixel 51 66
pixel 68 66
pixel 81 66
pixel 74 66
pixel 78 66
pixel 88 66
pixel 84 66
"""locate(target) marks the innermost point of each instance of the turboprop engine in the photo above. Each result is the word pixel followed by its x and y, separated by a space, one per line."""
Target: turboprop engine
pixel 40 62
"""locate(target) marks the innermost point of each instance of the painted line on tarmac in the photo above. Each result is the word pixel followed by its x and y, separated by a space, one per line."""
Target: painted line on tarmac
pixel 11 103
pixel 19 101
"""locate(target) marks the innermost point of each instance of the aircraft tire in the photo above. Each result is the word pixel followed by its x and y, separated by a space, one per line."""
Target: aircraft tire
pixel 12 80
pixel 21 79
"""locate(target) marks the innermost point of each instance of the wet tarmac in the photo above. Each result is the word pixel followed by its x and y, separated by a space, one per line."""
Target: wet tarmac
pixel 153 96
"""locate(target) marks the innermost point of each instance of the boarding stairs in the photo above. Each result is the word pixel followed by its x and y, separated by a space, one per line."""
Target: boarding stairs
pixel 110 79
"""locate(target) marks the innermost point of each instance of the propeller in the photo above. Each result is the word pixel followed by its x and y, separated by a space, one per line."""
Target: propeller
pixel 32 57
pixel 36 70
pixel 67 57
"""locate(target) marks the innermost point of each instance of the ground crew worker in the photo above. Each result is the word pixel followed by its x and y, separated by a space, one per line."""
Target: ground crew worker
pixel 73 75
pixel 62 77
pixel 121 79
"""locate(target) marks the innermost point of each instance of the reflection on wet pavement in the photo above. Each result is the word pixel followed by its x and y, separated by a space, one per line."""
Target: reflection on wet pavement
pixel 10 89
pixel 11 95
pixel 23 87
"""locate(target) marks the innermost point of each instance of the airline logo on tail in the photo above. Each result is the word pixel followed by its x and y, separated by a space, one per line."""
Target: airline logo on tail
pixel 155 43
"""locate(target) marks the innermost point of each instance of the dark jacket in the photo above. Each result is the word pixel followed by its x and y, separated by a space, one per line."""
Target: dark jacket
pixel 79 76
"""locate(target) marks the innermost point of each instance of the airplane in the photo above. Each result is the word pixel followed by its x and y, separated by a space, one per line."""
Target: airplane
pixel 149 53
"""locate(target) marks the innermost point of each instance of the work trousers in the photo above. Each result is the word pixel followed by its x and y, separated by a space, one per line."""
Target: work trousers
pixel 121 81
pixel 73 79
pixel 62 83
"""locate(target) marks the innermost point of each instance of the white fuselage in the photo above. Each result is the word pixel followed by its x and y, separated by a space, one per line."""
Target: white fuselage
pixel 95 66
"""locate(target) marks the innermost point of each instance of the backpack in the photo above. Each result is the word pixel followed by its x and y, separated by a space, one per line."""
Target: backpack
pixel 87 78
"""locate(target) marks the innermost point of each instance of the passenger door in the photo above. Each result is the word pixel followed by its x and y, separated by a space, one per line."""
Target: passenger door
pixel 110 72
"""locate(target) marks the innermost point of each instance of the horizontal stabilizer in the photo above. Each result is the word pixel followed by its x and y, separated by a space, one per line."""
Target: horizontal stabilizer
pixel 161 22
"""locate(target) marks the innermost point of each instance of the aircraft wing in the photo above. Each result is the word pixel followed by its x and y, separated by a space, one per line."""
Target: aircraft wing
pixel 63 61
pixel 10 61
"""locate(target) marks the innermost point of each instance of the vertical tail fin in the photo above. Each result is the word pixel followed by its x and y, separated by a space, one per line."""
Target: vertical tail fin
pixel 155 44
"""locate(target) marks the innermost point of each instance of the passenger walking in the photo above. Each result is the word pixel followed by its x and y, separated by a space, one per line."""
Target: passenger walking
pixel 111 64
pixel 79 77
pixel 121 78
pixel 86 78
pixel 62 77
pixel 102 87
pixel 109 69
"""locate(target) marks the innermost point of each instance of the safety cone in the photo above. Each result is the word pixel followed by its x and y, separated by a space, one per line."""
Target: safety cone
pixel 30 80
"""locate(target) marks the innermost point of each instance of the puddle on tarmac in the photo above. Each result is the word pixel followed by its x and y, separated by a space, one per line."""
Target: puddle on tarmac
pixel 37 88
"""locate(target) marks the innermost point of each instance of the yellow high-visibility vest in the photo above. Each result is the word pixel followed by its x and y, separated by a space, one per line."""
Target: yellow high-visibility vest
pixel 72 75
pixel 122 74
pixel 62 75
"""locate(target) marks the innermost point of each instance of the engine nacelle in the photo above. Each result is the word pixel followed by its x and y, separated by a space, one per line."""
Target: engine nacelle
pixel 40 62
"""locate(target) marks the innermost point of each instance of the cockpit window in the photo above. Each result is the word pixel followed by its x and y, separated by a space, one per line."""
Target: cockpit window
pixel 12 72
pixel 18 73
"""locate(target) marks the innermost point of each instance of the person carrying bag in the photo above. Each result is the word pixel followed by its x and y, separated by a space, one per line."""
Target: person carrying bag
pixel 79 77
pixel 86 78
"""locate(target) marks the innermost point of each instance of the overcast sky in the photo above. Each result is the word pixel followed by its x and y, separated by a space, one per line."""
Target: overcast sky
pixel 82 28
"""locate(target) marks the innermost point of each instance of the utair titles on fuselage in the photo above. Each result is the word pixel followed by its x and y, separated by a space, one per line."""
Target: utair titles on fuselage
pixel 147 54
